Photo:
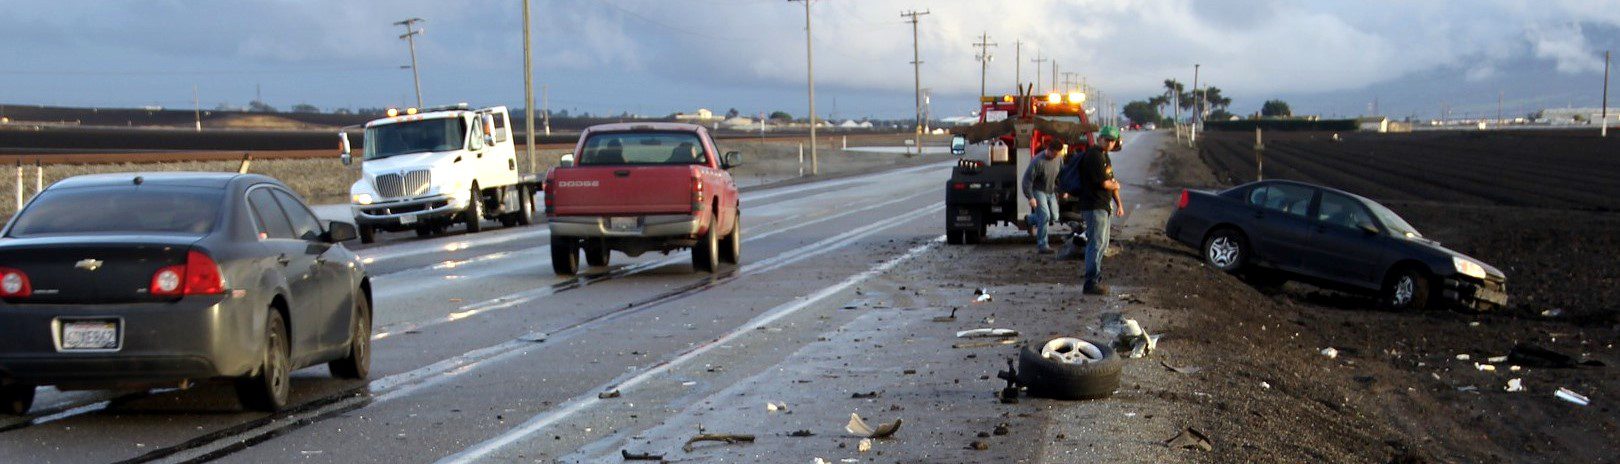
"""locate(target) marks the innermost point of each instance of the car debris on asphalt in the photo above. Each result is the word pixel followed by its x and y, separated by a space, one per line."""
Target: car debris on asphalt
pixel 629 456
pixel 859 428
pixel 1190 438
pixel 986 332
pixel 1134 337
pixel 1570 396
pixel 981 296
pixel 607 394
pixel 1515 385
pixel 866 395
pixel 1330 352
pixel 985 344
pixel 950 318
pixel 1181 369
pixel 728 438
pixel 864 446
pixel 1071 350
pixel 776 406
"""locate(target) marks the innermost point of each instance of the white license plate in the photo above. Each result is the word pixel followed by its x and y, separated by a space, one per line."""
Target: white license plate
pixel 90 335
pixel 407 219
pixel 622 223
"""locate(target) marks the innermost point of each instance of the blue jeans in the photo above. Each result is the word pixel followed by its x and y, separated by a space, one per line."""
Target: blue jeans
pixel 1044 212
pixel 1096 241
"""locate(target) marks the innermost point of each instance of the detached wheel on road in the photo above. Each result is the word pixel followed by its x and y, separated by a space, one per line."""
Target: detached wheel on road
pixel 1226 249
pixel 357 365
pixel 1406 288
pixel 731 246
pixel 473 216
pixel 706 253
pixel 268 389
pixel 1051 378
pixel 597 252
pixel 368 234
pixel 15 398
pixel 565 255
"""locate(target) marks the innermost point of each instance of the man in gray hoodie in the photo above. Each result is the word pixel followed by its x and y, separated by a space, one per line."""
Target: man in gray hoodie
pixel 1040 188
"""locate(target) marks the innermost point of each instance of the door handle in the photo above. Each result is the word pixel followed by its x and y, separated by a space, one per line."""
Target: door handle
pixel 622 173
pixel 284 260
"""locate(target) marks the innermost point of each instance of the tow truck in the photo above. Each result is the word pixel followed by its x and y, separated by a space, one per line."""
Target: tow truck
pixel 985 192
pixel 426 170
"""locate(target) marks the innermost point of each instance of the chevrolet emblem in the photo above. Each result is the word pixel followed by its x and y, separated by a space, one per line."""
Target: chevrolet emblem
pixel 88 264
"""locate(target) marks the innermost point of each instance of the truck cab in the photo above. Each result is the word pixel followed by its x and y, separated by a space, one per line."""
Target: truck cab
pixel 987 191
pixel 426 170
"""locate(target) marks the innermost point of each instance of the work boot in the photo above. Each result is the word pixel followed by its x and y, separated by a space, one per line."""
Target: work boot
pixel 1095 289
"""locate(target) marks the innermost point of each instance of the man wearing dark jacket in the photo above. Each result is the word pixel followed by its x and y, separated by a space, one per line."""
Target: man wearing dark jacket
pixel 1097 198
pixel 1040 188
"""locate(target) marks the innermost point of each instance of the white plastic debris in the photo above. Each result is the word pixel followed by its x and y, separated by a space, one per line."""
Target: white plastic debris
pixel 981 295
pixel 987 332
pixel 1515 385
pixel 1496 359
pixel 1265 385
pixel 1463 357
pixel 1485 367
pixel 1330 352
pixel 1140 342
pixel 1555 312
pixel 864 446
pixel 775 406
pixel 1570 396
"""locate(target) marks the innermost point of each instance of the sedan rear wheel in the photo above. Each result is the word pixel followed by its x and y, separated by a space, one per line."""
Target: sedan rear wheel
pixel 357 365
pixel 1226 250
pixel 269 388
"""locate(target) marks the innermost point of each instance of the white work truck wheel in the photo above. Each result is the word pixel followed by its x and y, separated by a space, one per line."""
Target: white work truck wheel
pixel 525 212
pixel 474 214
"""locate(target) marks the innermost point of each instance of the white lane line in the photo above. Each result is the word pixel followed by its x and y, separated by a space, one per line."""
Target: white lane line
pixel 583 402
pixel 513 299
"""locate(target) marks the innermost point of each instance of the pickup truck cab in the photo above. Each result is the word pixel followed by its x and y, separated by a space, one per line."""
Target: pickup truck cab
pixel 640 187
pixel 426 170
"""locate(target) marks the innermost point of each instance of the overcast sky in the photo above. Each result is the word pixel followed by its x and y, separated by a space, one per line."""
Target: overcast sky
pixel 661 56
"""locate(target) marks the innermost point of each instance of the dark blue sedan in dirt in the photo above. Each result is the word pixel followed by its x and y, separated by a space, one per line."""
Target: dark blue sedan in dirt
pixel 122 281
pixel 1277 230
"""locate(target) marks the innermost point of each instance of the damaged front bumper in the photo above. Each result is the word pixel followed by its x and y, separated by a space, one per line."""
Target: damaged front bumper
pixel 1475 293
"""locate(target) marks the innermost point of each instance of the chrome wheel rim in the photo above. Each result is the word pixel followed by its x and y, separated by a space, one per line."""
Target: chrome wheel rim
pixel 1223 252
pixel 1404 290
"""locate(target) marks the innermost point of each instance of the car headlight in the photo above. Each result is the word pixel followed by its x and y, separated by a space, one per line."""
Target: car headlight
pixel 361 198
pixel 1468 267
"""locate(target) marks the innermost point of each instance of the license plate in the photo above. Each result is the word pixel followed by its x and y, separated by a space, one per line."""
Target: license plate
pixel 90 335
pixel 1491 295
pixel 407 219
pixel 622 223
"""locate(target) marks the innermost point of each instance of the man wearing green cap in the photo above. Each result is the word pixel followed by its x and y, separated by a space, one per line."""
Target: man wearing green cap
pixel 1098 197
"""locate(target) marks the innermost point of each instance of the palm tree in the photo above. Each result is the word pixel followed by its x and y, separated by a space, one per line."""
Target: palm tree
pixel 1172 90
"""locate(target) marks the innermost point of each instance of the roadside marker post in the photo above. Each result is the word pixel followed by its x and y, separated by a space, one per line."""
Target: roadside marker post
pixel 1259 160
pixel 19 185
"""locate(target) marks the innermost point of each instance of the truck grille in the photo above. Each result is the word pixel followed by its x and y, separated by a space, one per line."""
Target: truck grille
pixel 412 184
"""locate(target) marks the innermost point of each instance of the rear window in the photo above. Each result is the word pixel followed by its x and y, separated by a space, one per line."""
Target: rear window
pixel 145 209
pixel 621 148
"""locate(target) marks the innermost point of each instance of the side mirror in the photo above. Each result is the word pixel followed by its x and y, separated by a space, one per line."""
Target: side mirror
pixel 339 231
pixel 567 160
pixel 732 159
pixel 343 148
pixel 958 145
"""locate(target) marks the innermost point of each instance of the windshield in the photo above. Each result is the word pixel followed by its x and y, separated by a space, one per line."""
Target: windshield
pixel 420 136
pixel 1393 221
pixel 618 148
pixel 117 210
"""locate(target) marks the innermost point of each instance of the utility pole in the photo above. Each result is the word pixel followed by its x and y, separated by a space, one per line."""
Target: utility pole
pixel 1018 65
pixel 1198 105
pixel 545 106
pixel 1038 60
pixel 916 71
pixel 984 45
pixel 196 107
pixel 410 38
pixel 528 92
pixel 1605 93
pixel 810 72
pixel 1068 80
pixel 1054 77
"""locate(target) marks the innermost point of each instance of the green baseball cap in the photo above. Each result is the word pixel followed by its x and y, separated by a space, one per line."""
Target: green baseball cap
pixel 1108 132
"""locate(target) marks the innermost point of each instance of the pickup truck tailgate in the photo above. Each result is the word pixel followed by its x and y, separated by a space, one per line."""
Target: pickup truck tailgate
pixel 622 190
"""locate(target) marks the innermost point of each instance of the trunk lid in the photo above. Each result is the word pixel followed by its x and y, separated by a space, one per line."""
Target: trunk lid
pixel 97 269
pixel 622 190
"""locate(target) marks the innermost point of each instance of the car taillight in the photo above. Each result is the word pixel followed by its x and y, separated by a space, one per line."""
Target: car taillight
pixel 697 193
pixel 200 275
pixel 14 283
pixel 959 186
pixel 1181 203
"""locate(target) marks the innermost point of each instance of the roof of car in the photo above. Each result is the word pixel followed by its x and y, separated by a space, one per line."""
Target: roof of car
pixel 1308 184
pixel 176 179
pixel 651 126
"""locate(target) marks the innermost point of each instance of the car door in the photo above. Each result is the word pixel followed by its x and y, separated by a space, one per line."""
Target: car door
pixel 290 257
pixel 1280 223
pixel 332 298
pixel 1344 250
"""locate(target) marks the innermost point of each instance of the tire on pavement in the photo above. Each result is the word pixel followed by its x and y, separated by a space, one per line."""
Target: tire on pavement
pixel 731 245
pixel 357 363
pixel 597 252
pixel 1049 378
pixel 525 212
pixel 473 216
pixel 268 389
pixel 565 255
pixel 368 234
pixel 706 252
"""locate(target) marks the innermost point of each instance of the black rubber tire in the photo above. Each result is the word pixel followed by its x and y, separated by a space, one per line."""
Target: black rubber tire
pixel 357 364
pixel 731 245
pixel 565 255
pixel 525 212
pixel 973 236
pixel 269 389
pixel 507 220
pixel 473 216
pixel 16 398
pixel 424 231
pixel 1047 378
pixel 368 234
pixel 706 253
pixel 1226 249
pixel 597 253
pixel 1419 296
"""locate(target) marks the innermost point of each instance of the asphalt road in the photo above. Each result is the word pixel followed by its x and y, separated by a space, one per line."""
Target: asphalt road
pixel 479 349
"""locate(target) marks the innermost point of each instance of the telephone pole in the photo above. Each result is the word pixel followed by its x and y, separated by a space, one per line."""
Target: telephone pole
pixel 410 37
pixel 1038 60
pixel 810 72
pixel 916 70
pixel 545 106
pixel 1018 65
pixel 196 107
pixel 984 45
pixel 1068 80
pixel 1605 93
pixel 1198 105
pixel 528 92
pixel 1054 77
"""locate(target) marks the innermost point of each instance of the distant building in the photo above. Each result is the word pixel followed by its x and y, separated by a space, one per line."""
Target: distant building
pixel 702 115
pixel 1577 116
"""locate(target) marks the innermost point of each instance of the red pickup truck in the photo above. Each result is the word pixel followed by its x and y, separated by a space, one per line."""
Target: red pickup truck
pixel 640 187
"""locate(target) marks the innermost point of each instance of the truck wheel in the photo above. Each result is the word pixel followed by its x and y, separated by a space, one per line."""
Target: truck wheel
pixel 474 214
pixel 424 231
pixel 268 390
pixel 16 398
pixel 597 252
pixel 731 246
pixel 357 364
pixel 706 253
pixel 565 255
pixel 525 212
pixel 368 234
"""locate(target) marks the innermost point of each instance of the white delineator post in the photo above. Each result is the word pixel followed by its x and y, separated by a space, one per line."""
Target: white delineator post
pixel 1605 93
